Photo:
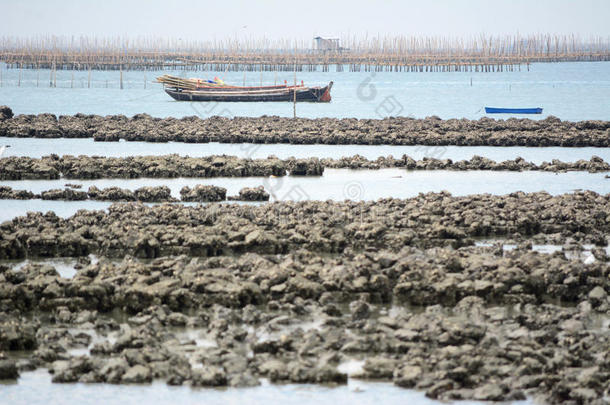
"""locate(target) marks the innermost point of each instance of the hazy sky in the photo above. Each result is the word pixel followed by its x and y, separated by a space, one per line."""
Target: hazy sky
pixel 206 20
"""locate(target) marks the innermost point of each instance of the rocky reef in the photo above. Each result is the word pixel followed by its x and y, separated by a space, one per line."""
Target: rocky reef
pixel 389 131
pixel 251 194
pixel 172 166
pixel 201 193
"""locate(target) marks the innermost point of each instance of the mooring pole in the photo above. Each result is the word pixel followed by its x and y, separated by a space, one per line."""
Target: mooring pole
pixel 294 89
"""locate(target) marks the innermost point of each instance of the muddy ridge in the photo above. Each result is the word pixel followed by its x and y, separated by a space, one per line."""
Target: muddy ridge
pixel 390 131
pixel 433 219
pixel 172 166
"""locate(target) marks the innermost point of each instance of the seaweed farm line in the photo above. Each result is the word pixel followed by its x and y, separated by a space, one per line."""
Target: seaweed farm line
pixel 302 64
pixel 401 54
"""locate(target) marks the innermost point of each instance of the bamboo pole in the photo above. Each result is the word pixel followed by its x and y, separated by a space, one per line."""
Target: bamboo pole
pixel 294 91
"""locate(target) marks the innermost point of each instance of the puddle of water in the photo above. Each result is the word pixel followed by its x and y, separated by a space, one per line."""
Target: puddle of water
pixel 265 332
pixel 63 265
pixel 96 338
pixel 199 336
pixel 585 255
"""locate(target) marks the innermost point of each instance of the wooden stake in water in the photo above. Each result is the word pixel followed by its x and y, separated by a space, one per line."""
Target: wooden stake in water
pixel 19 82
pixel 89 78
pixel 72 80
pixel 121 78
pixel 37 76
pixel 294 91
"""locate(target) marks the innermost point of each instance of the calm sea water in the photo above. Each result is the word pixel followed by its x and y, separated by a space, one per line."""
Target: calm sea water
pixel 34 147
pixel 35 388
pixel 570 91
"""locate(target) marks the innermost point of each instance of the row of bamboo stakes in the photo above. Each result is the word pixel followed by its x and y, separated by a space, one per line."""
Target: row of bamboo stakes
pixel 410 54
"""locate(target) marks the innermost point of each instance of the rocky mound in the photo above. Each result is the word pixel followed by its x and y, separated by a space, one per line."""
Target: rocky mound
pixel 201 193
pixel 65 194
pixel 5 113
pixel 251 194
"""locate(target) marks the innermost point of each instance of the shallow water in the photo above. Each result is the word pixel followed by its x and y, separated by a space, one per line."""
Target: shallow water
pixel 35 388
pixel 64 209
pixel 13 208
pixel 64 265
pixel 36 148
pixel 335 184
pixel 571 91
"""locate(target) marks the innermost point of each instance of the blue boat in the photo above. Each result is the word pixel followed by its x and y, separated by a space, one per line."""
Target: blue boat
pixel 493 110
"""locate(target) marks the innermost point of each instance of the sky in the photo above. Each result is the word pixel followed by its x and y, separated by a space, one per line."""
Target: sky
pixel 275 19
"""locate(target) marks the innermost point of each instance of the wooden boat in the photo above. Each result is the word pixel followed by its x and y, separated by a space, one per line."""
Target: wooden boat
pixel 261 93
pixel 183 89
pixel 493 110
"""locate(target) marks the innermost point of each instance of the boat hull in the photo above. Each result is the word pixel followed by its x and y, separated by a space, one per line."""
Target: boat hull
pixel 312 94
pixel 493 110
